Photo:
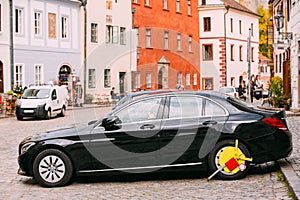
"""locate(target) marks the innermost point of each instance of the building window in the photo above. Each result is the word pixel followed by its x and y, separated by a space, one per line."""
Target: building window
pixel 109 5
pixel 240 26
pixel 178 41
pixel 52 25
pixel 92 78
pixel 138 80
pixel 166 40
pixel 207 24
pixel 276 64
pixel 203 2
pixel 37 23
pixel 148 38
pixel 189 11
pixel 94 32
pixel 64 27
pixel 177 5
pixel 241 53
pixel 147 2
pixel 19 20
pixel 252 29
pixel 208 83
pixel 231 25
pixel 38 74
pixel 135 1
pixel 112 34
pixel 299 46
pixel 195 79
pixel 165 3
pixel 115 35
pixel 280 63
pixel 208 52
pixel 188 79
pixel 232 52
pixel 107 75
pixel 252 54
pixel 19 70
pixel 190 43
pixel 148 80
pixel 179 79
pixel 122 35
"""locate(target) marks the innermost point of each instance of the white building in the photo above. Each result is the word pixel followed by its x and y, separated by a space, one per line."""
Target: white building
pixel 224 32
pixel 111 46
pixel 294 25
pixel 4 47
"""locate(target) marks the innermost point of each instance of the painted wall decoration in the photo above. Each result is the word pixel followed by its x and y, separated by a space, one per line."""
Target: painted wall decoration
pixel 51 25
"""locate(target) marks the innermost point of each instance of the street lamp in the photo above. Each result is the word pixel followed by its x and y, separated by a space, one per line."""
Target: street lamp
pixel 279 22
pixel 83 3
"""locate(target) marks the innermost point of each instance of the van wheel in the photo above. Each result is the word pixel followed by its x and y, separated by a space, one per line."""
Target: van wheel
pixel 63 112
pixel 48 114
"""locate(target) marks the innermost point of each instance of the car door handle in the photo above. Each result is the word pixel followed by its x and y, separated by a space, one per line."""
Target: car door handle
pixel 209 123
pixel 147 126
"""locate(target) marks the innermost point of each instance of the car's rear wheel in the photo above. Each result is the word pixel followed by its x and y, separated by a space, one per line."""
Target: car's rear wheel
pixel 52 168
pixel 222 153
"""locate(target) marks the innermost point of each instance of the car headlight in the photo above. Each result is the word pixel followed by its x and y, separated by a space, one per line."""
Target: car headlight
pixel 26 146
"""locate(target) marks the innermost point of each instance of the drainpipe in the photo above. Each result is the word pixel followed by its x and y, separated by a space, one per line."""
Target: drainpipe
pixel 11 43
pixel 227 8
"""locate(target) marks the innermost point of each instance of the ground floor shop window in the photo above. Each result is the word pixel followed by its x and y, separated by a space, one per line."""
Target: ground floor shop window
pixel 208 83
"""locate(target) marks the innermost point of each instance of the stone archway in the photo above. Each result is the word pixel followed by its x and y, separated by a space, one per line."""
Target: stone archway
pixel 162 81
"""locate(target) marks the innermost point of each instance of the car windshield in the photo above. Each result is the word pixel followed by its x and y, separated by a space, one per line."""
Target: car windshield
pixel 227 90
pixel 36 94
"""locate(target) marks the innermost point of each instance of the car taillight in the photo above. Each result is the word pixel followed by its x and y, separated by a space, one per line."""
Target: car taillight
pixel 276 123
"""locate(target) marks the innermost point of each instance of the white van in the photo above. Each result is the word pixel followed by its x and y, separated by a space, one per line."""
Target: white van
pixel 42 101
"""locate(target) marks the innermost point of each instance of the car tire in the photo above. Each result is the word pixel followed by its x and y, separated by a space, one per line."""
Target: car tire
pixel 52 168
pixel 19 117
pixel 215 157
pixel 63 112
pixel 48 114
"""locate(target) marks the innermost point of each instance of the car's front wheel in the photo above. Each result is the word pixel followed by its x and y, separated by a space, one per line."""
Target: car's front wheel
pixel 52 168
pixel 221 155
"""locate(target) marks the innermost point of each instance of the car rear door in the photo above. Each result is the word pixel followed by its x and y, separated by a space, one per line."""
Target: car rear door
pixel 185 127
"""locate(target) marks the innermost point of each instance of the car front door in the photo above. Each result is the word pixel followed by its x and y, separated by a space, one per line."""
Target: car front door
pixel 133 145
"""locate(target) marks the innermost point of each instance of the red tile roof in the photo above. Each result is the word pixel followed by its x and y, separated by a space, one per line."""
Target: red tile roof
pixel 238 6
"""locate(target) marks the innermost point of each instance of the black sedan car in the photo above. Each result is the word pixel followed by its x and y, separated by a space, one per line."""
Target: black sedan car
pixel 161 132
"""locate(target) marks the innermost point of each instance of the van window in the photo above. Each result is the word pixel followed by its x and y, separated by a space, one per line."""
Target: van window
pixel 36 94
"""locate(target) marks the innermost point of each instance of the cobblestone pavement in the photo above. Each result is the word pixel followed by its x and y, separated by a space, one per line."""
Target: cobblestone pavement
pixel 260 184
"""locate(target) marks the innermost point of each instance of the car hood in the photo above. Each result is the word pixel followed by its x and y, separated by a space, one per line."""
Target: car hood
pixel 73 131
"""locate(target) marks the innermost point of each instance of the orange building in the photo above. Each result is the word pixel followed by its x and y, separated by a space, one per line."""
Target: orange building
pixel 168 44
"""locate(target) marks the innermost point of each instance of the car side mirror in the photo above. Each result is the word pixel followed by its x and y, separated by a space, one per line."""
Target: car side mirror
pixel 111 123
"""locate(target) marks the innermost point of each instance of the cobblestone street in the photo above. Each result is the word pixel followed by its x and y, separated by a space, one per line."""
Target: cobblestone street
pixel 263 184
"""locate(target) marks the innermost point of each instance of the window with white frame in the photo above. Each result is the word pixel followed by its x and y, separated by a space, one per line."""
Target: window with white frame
pixel 107 78
pixel 94 32
pixel 240 26
pixel 178 41
pixel 179 79
pixel 190 43
pixel 147 2
pixel 38 74
pixel 37 23
pixel 231 25
pixel 148 80
pixel 64 27
pixel 19 20
pixel 138 80
pixel 122 35
pixel 241 53
pixel 148 37
pixel 195 79
pixel 19 70
pixel 135 1
pixel 92 78
pixel 189 11
pixel 177 5
pixel 166 40
pixel 115 36
pixel 187 79
pixel 165 4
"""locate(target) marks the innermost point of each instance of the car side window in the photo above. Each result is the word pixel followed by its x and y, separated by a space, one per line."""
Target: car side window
pixel 185 107
pixel 54 96
pixel 140 111
pixel 213 109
